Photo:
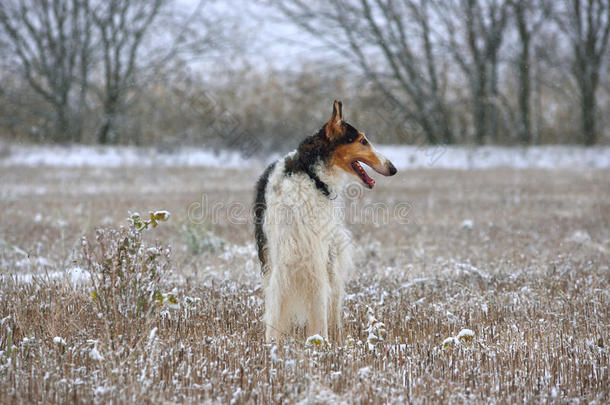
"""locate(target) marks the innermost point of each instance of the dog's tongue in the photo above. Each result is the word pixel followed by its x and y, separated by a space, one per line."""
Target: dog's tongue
pixel 365 177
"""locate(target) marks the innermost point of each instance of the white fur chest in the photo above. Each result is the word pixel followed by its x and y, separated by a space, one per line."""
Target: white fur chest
pixel 296 208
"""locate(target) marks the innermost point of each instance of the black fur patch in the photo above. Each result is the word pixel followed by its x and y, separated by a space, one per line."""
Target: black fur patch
pixel 351 134
pixel 260 206
pixel 318 148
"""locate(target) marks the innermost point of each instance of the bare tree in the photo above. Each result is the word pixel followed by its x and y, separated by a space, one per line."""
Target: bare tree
pixel 529 16
pixel 122 26
pixel 366 32
pixel 587 25
pixel 48 40
pixel 68 49
pixel 138 41
pixel 476 53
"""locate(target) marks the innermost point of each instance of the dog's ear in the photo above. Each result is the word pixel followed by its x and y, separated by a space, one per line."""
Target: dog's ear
pixel 333 126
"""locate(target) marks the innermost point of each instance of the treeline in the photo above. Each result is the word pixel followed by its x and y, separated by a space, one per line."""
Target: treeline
pixel 479 70
pixel 78 70
pixel 409 71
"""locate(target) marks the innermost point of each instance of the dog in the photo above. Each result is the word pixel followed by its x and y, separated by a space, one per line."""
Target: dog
pixel 303 244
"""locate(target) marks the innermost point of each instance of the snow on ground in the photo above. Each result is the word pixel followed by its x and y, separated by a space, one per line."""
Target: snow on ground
pixel 403 156
pixel 116 156
pixel 75 276
pixel 483 157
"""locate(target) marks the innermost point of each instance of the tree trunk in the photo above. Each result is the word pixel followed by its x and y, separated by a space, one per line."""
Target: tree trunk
pixel 63 124
pixel 80 115
pixel 105 134
pixel 428 129
pixel 525 131
pixel 491 105
pixel 105 131
pixel 588 115
pixel 102 133
pixel 479 119
pixel 111 108
pixel 537 107
pixel 480 105
pixel 447 134
pixel 445 128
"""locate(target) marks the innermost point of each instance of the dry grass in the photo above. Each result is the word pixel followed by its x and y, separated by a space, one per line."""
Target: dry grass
pixel 530 277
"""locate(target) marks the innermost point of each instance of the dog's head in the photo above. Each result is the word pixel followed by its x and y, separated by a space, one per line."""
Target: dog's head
pixel 352 147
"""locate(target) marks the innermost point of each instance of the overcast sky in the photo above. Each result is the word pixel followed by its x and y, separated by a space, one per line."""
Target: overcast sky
pixel 266 39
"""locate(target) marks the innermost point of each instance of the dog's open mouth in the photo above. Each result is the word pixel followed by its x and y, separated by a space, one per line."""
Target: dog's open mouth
pixel 369 182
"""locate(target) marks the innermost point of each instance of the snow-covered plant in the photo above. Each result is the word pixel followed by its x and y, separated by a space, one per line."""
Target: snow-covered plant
pixel 59 341
pixel 126 273
pixel 153 219
pixel 464 338
pixel 349 342
pixel 316 341
pixel 376 331
pixel 449 342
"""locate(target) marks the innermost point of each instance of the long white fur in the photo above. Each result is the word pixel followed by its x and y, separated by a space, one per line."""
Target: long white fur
pixel 309 252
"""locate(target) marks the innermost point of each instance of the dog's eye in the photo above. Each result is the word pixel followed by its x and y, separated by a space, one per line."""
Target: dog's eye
pixel 364 141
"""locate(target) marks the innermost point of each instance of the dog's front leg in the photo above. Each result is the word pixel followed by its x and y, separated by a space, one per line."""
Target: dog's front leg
pixel 334 316
pixel 335 302
pixel 272 311
pixel 340 265
pixel 317 322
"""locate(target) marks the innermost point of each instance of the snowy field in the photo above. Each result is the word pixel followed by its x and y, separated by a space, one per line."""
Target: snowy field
pixel 491 281
pixel 403 157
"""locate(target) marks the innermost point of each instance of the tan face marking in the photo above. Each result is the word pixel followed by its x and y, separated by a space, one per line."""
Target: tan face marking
pixel 348 156
pixel 345 154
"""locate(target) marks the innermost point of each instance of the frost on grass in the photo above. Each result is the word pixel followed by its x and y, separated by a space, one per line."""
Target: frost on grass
pixel 76 276
pixel 212 347
pixel 540 321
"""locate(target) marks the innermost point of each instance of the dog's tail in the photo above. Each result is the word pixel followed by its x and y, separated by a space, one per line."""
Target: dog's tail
pixel 260 206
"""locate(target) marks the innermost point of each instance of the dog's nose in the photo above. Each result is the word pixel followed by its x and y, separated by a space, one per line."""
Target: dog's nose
pixel 393 170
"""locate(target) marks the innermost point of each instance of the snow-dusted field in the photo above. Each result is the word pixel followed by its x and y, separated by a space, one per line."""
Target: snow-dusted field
pixel 403 156
pixel 492 284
